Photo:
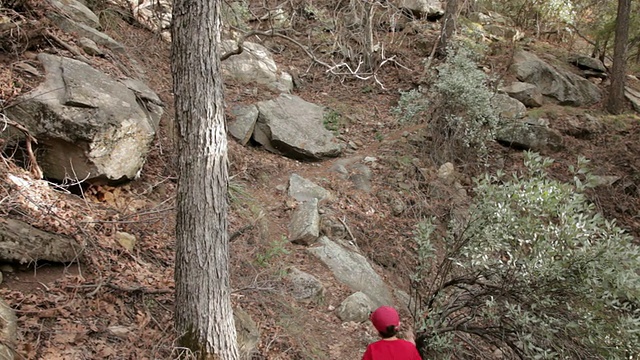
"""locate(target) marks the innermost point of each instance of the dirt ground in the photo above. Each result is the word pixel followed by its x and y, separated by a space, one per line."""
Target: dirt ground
pixel 116 304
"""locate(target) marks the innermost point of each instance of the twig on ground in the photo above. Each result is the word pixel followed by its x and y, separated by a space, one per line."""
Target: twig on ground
pixel 353 238
pixel 239 232
pixel 330 68
pixel 68 47
pixel 34 168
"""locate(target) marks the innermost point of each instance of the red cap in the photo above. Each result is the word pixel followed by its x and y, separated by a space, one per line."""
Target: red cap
pixel 384 317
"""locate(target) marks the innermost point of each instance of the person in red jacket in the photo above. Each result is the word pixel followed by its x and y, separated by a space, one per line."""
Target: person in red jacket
pixel 386 320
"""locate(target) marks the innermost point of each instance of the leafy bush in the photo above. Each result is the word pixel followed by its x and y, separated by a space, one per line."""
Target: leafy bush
pixel 533 271
pixel 464 119
pixel 411 107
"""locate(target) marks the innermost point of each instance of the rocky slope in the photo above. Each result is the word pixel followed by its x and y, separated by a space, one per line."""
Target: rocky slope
pixel 351 221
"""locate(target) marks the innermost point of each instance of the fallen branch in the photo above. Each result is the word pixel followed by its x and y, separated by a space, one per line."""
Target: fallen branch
pixel 330 68
pixel 353 238
pixel 131 289
pixel 68 47
pixel 239 232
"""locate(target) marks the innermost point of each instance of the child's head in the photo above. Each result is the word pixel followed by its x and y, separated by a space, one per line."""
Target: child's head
pixel 386 320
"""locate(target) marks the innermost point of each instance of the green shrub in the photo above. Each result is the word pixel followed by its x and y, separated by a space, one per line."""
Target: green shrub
pixel 332 121
pixel 532 270
pixel 464 119
pixel 411 108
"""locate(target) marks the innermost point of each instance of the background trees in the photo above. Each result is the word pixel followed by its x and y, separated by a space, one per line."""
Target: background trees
pixel 203 314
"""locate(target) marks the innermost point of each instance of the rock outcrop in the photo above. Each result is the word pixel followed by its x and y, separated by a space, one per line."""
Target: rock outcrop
pixel 562 87
pixel 88 125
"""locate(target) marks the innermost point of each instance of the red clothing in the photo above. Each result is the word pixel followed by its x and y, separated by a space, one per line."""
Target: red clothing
pixel 391 350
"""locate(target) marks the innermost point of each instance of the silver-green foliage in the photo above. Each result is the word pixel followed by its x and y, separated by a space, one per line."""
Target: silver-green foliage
pixel 411 107
pixel 466 115
pixel 535 271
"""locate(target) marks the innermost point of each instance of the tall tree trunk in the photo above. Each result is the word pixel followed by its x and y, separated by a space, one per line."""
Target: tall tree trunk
pixel 203 313
pixel 615 101
pixel 368 36
pixel 448 27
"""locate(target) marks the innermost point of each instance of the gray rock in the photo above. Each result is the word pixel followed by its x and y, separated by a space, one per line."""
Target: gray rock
pixel 254 65
pixel 405 300
pixel 521 135
pixel 447 173
pixel 77 12
pixel 302 189
pixel 528 94
pixel 353 270
pixel 304 227
pixel 361 177
pixel 508 108
pixel 356 171
pixel 69 26
pixel 154 15
pixel 8 331
pixel 423 8
pixel 584 126
pixel 247 332
pixel 306 288
pixel 290 126
pixel 503 32
pixel 89 126
pixel 90 47
pixel 245 121
pixel 331 227
pixel 144 92
pixel 605 180
pixel 23 243
pixel 356 308
pixel 564 87
pixel 633 96
pixel 588 63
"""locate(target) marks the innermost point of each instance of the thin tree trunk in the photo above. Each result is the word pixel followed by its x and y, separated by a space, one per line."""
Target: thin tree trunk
pixel 203 313
pixel 368 36
pixel 448 27
pixel 615 101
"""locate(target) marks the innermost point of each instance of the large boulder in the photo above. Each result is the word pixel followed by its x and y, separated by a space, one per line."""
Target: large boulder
pixel 290 126
pixel 562 86
pixel 353 270
pixel 81 29
pixel 430 9
pixel 254 65
pixel 89 126
pixel 588 63
pixel 77 11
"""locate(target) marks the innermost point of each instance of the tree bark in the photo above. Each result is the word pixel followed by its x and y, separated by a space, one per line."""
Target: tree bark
pixel 203 313
pixel 448 27
pixel 615 101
